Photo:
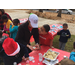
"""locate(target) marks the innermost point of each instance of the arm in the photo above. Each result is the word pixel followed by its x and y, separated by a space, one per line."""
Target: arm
pixel 51 43
pixel 26 52
pixel 12 29
pixel 5 28
pixel 20 35
pixel 36 34
pixel 72 56
pixel 69 34
pixel 59 32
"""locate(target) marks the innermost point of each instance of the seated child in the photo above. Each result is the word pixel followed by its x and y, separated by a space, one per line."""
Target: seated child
pixel 14 28
pixel 45 37
pixel 2 38
pixel 64 36
pixel 72 54
pixel 7 23
pixel 66 61
pixel 13 52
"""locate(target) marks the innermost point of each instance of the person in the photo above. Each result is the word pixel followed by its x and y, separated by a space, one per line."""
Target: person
pixel 14 28
pixel 7 23
pixel 2 12
pixel 13 52
pixel 64 36
pixel 72 54
pixel 26 30
pixel 2 38
pixel 45 37
pixel 66 61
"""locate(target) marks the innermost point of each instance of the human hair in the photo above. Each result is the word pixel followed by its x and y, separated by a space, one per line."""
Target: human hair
pixel 16 21
pixel 2 10
pixel 47 27
pixel 74 45
pixel 1 33
pixel 4 17
pixel 65 24
pixel 66 61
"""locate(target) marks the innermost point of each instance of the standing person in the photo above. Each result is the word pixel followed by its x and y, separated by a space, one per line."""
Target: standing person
pixel 14 28
pixel 64 36
pixel 26 30
pixel 7 22
pixel 2 12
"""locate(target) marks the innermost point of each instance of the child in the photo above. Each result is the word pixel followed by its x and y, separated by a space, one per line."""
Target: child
pixel 13 52
pixel 45 37
pixel 64 35
pixel 7 23
pixel 66 61
pixel 14 28
pixel 2 38
pixel 72 54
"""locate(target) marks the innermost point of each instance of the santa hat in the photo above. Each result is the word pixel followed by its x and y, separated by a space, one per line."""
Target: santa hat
pixel 10 47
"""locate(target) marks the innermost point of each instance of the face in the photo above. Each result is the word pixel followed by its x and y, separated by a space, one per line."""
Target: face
pixel 5 20
pixel 0 13
pixel 65 27
pixel 14 23
pixel 42 31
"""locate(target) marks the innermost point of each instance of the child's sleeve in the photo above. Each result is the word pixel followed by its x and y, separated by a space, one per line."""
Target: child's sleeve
pixel 25 50
pixel 5 28
pixel 50 36
pixel 72 56
pixel 12 29
pixel 59 33
pixel 69 34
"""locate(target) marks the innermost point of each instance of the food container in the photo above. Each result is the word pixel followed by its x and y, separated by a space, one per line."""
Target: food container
pixel 48 62
pixel 51 55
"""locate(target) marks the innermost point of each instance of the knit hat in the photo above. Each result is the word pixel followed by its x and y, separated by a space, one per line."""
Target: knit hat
pixel 33 20
pixel 10 47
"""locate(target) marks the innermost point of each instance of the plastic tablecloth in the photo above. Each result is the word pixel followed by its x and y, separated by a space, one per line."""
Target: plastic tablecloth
pixel 23 20
pixel 44 49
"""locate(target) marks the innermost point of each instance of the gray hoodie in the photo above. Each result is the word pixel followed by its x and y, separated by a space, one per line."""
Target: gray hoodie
pixel 1 41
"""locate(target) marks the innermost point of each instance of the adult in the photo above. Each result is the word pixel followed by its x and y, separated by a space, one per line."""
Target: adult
pixel 26 30
pixel 2 12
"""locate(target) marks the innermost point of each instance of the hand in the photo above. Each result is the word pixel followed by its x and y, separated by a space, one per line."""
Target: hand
pixel 23 58
pixel 11 23
pixel 51 47
pixel 37 46
pixel 30 47
pixel 3 31
pixel 67 35
pixel 59 30
pixel 27 58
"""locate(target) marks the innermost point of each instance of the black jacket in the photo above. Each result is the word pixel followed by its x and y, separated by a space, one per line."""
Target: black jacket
pixel 9 60
pixel 63 35
pixel 23 34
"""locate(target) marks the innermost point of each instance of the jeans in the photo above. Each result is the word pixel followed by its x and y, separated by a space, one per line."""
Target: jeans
pixel 62 45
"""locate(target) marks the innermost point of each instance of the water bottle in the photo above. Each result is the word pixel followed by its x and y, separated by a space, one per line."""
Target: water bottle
pixel 40 57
